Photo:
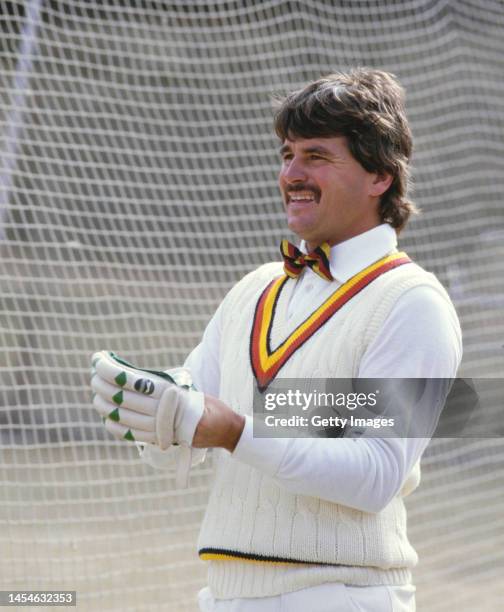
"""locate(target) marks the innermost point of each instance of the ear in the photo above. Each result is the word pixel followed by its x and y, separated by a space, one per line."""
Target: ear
pixel 380 184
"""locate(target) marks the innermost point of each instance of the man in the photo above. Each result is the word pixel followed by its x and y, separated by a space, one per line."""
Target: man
pixel 314 524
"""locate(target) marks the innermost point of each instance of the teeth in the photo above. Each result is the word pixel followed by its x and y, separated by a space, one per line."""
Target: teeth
pixel 301 196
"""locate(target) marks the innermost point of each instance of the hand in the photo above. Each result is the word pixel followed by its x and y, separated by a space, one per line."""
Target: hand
pixel 219 426
pixel 144 406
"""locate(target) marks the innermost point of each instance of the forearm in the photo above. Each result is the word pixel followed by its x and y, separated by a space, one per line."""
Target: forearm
pixel 374 470
pixel 364 474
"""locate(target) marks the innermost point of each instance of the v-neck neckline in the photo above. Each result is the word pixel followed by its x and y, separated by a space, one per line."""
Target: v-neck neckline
pixel 271 312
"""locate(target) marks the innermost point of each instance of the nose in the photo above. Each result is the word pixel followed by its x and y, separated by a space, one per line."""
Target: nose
pixel 293 172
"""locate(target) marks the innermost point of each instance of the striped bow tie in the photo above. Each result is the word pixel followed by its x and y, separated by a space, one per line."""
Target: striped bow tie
pixel 295 260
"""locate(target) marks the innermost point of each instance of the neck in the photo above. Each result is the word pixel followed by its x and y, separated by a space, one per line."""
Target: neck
pixel 343 237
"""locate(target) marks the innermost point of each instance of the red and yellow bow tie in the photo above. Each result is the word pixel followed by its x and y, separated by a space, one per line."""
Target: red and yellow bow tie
pixel 295 260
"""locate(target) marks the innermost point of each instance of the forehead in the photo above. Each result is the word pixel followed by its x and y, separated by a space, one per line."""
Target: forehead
pixel 332 144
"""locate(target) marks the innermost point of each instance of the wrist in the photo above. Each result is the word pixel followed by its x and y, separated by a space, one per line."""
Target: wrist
pixel 234 432
pixel 219 426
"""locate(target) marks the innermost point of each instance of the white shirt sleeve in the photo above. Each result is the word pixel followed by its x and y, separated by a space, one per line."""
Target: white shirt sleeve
pixel 203 361
pixel 420 338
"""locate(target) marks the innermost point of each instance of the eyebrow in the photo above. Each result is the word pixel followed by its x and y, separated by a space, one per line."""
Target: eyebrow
pixel 315 149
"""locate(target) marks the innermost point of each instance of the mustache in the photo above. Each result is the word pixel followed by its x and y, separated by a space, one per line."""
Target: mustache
pixel 304 187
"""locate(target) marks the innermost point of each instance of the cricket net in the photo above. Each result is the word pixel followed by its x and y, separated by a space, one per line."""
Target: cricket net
pixel 138 183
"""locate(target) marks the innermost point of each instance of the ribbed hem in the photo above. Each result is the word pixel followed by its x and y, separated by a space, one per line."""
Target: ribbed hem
pixel 230 579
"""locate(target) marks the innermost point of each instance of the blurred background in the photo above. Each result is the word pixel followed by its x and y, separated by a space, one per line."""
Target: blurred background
pixel 138 184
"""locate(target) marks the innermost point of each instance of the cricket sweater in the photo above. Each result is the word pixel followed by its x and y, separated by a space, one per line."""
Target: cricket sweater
pixel 281 541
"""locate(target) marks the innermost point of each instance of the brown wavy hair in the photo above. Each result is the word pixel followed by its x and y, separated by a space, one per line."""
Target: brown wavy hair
pixel 367 108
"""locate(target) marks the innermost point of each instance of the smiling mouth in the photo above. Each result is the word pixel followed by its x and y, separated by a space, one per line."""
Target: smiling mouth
pixel 301 197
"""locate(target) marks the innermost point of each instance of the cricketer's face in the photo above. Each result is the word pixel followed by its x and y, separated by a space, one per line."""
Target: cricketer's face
pixel 327 194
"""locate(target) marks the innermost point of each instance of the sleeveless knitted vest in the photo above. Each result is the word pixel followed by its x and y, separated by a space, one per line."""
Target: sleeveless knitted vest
pixel 253 516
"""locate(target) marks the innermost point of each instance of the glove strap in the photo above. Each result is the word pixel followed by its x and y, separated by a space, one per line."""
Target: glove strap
pixel 183 467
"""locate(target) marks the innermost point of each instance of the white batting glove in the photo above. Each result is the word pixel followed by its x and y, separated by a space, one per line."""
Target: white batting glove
pixel 147 406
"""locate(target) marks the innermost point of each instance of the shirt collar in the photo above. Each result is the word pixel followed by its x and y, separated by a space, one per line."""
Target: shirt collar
pixel 351 256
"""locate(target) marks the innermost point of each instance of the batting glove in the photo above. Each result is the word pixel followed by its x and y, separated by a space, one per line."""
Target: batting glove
pixel 147 406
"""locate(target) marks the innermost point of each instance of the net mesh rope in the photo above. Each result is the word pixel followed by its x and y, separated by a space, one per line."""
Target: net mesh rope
pixel 138 183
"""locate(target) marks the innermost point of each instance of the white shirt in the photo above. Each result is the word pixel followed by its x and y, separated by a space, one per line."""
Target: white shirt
pixel 421 338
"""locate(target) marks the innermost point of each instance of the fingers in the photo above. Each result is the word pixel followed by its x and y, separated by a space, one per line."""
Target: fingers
pixel 121 432
pixel 118 396
pixel 124 424
pixel 128 399
pixel 128 418
pixel 128 377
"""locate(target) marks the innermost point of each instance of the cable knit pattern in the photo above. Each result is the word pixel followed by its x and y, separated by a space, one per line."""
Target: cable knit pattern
pixel 249 512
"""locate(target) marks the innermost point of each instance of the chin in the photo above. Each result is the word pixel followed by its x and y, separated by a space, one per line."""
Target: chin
pixel 300 229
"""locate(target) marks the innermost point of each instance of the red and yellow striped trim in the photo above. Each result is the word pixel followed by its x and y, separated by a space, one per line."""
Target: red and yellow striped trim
pixel 265 362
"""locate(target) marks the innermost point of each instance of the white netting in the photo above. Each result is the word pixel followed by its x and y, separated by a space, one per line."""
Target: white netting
pixel 138 183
